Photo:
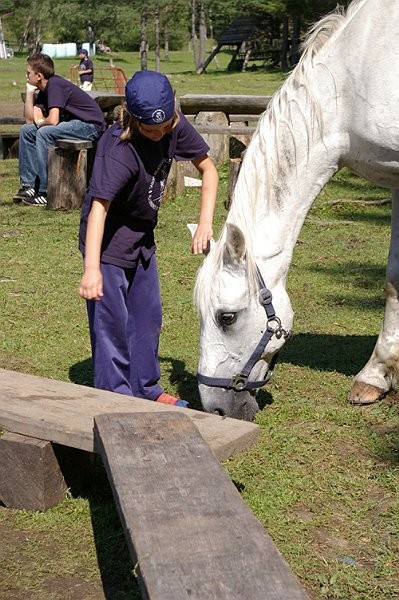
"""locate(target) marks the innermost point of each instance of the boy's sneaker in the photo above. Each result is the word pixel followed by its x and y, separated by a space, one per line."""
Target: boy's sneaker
pixel 168 399
pixel 24 192
pixel 39 199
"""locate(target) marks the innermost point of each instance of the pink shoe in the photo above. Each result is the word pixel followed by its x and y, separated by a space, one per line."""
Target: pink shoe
pixel 165 398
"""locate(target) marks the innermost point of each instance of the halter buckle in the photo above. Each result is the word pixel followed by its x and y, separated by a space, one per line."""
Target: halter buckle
pixel 265 296
pixel 239 382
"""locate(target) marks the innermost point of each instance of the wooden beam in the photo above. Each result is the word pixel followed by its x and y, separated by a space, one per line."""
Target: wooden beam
pixel 212 55
pixel 64 413
pixel 107 100
pixel 225 129
pixel 188 530
pixel 12 120
pixel 74 145
pixel 243 118
pixel 229 104
pixel 30 477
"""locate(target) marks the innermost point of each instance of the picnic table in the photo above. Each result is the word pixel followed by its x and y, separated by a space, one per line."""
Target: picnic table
pixel 107 101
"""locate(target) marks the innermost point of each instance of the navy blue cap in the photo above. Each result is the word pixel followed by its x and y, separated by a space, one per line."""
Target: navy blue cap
pixel 150 97
pixel 83 51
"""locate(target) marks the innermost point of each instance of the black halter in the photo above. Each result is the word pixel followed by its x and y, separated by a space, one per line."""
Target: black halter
pixel 239 382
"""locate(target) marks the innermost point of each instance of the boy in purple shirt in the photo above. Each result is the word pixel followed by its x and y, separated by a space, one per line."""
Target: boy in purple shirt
pixel 119 215
pixel 86 71
pixel 59 110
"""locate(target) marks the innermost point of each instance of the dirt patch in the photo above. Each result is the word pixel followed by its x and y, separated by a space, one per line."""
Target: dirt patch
pixel 36 565
pixel 19 579
pixel 72 589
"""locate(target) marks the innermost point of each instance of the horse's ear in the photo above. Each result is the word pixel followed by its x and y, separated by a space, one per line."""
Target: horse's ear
pixel 234 251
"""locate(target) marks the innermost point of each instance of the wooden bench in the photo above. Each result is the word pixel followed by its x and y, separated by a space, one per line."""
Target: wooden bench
pixel 42 410
pixel 188 531
pixel 69 167
pixel 227 122
pixel 192 104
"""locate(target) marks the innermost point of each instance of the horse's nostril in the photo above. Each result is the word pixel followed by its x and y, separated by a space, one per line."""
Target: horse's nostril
pixel 218 411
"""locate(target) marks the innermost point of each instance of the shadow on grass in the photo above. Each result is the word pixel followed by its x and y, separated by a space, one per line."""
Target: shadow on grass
pixel 86 478
pixel 82 373
pixel 345 354
pixel 183 381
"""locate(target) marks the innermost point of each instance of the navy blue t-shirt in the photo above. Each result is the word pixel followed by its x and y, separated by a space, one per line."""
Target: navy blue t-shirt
pixel 84 65
pixel 132 176
pixel 73 102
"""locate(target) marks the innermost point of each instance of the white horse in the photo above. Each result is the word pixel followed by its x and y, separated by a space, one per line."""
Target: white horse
pixel 338 108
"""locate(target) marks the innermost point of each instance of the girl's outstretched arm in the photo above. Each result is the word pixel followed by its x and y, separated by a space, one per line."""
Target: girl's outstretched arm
pixel 210 180
pixel 91 284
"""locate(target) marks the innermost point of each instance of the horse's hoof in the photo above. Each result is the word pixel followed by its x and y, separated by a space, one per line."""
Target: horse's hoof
pixel 364 393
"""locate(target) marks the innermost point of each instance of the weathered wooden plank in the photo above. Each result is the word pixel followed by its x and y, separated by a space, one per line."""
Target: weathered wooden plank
pixel 175 182
pixel 225 129
pixel 194 103
pixel 63 412
pixel 243 118
pixel 214 126
pixel 12 120
pixel 73 145
pixel 185 523
pixel 107 100
pixel 30 476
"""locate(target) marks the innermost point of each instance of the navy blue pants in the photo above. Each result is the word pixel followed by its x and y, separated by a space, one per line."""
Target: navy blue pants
pixel 124 330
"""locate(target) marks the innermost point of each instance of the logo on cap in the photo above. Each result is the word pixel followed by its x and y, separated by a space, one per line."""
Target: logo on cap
pixel 158 116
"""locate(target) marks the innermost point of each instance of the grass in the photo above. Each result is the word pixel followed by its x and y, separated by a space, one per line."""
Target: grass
pixel 323 478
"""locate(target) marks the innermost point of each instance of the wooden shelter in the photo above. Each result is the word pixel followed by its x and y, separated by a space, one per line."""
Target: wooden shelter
pixel 250 37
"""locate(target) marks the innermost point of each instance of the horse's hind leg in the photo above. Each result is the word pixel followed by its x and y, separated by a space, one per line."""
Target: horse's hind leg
pixel 380 373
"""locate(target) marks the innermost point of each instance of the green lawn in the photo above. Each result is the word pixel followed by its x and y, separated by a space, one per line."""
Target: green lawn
pixel 323 478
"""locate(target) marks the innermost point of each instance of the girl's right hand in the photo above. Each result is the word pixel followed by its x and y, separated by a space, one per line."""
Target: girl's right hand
pixel 91 285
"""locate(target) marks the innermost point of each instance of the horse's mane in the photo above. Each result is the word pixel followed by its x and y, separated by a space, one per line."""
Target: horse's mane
pixel 265 147
pixel 322 31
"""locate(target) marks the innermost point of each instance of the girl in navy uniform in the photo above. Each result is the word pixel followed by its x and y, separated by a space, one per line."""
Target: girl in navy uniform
pixel 119 215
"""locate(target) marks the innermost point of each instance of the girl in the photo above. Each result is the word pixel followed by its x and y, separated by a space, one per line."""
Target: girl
pixel 119 215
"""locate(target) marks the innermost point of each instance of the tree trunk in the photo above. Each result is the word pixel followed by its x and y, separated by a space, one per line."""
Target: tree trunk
pixel 3 53
pixel 24 39
pixel 202 35
pixel 166 43
pixel 285 45
pixel 194 33
pixel 143 39
pixel 296 39
pixel 34 45
pixel 157 42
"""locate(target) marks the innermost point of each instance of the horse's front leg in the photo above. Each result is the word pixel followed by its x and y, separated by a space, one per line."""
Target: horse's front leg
pixel 381 372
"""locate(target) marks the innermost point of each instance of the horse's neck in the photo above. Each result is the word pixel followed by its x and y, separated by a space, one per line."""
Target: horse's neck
pixel 284 169
pixel 336 109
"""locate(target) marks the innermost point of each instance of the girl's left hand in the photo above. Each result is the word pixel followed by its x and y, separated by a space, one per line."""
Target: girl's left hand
pixel 201 239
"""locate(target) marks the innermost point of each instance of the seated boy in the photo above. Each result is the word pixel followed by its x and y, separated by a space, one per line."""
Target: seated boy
pixel 59 110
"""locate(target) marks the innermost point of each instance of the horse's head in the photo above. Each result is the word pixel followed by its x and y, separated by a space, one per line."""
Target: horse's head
pixel 243 326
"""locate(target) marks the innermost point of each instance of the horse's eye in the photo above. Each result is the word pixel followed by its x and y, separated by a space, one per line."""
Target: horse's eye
pixel 227 318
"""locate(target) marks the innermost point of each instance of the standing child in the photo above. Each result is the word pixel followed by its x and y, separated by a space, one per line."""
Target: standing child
pixel 119 215
pixel 86 71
